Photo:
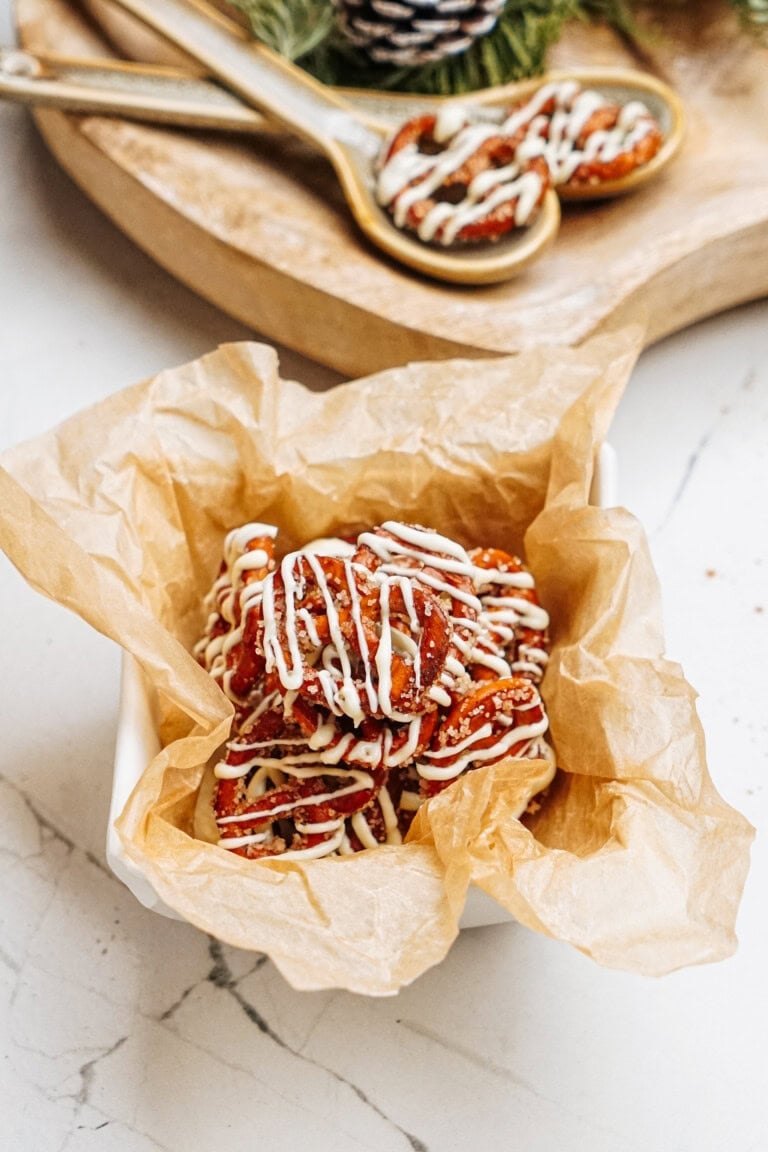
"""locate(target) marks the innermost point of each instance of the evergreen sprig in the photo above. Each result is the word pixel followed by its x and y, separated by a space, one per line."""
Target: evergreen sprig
pixel 306 32
pixel 754 13
pixel 294 28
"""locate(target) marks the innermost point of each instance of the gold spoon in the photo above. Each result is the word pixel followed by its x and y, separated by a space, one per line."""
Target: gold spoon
pixel 147 92
pixel 352 140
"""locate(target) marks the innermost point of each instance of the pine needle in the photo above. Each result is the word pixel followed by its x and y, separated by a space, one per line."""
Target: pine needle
pixel 306 32
pixel 294 28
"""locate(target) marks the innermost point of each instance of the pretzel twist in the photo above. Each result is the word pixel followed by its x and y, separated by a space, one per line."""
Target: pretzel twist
pixel 453 179
pixel 365 684
pixel 514 624
pixel 458 182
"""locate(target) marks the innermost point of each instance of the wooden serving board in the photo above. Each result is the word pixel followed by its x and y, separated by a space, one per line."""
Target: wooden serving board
pixel 259 227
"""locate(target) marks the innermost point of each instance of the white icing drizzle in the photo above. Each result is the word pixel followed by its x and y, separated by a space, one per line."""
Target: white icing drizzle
pixel 329 546
pixel 258 710
pixel 436 584
pixel 410 801
pixel 403 754
pixel 525 734
pixel 346 749
pixel 231 598
pixel 361 781
pixel 232 842
pixel 323 826
pixel 514 610
pixel 445 221
pixel 332 666
pixel 439 695
pixel 555 136
pixel 354 685
pixel 315 851
pixel 410 176
pixel 362 830
pixel 390 818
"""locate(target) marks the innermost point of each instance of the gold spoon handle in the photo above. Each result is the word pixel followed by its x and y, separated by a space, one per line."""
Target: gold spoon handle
pixel 260 76
pixel 161 96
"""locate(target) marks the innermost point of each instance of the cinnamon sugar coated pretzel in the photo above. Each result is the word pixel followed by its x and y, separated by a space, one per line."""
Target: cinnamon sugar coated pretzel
pixel 366 677
pixel 453 179
pixel 584 138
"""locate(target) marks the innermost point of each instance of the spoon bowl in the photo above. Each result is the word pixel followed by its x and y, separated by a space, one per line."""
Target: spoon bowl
pixel 492 263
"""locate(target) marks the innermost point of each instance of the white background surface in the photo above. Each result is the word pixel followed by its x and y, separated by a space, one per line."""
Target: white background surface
pixel 122 1032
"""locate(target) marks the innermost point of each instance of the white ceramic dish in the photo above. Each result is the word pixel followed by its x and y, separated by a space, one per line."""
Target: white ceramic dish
pixel 138 742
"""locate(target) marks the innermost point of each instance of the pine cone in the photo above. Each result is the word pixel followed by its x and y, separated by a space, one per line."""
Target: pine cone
pixel 412 32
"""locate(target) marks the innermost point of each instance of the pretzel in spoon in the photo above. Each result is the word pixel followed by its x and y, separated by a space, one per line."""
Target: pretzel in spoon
pixel 452 181
pixel 586 139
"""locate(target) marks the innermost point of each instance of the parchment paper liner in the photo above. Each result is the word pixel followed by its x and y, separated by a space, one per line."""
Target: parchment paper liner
pixel 120 514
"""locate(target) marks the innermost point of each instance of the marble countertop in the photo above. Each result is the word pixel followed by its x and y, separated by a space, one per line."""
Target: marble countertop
pixel 125 1032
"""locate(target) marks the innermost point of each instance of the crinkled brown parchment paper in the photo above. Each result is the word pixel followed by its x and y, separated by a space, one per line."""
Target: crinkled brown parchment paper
pixel 120 515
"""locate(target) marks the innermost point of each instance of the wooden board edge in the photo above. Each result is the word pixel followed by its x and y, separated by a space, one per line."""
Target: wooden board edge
pixel 729 270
